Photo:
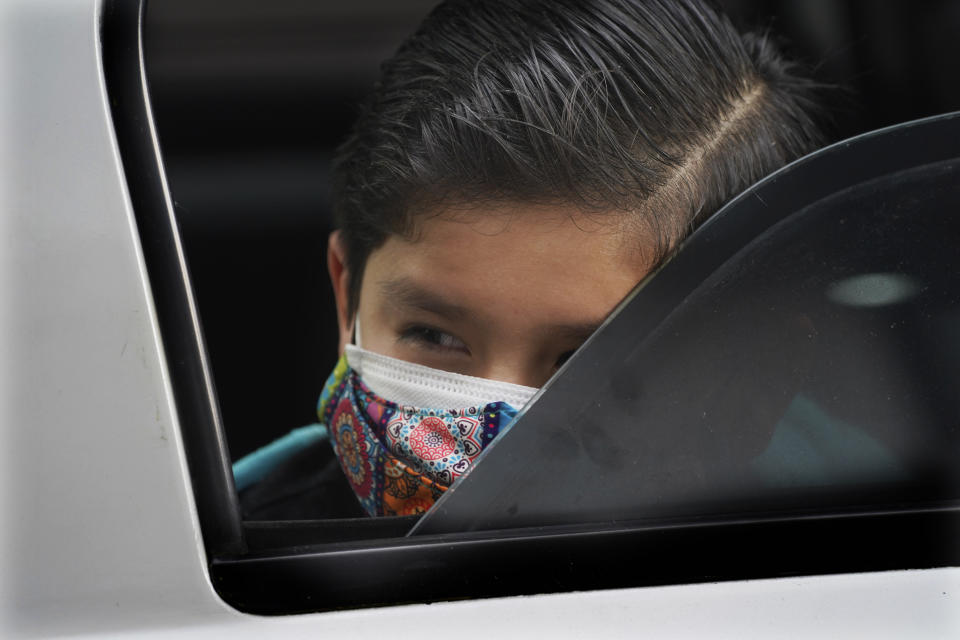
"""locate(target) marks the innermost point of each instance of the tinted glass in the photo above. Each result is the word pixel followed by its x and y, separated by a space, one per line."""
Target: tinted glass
pixel 816 368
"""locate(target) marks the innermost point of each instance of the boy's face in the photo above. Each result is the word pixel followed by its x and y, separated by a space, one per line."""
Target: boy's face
pixel 505 293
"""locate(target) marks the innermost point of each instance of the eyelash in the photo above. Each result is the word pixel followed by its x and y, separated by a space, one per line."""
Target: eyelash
pixel 431 338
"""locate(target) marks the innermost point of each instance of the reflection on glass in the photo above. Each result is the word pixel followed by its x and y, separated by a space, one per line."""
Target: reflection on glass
pixel 816 368
pixel 873 290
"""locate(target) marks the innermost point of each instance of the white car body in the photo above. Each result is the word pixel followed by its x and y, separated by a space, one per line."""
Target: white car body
pixel 100 534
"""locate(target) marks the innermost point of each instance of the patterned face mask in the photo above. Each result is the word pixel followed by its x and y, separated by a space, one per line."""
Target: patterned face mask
pixel 398 455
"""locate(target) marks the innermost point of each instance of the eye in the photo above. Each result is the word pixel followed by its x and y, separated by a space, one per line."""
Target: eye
pixel 430 338
pixel 563 357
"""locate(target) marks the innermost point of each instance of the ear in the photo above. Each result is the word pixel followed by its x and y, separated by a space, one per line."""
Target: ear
pixel 340 278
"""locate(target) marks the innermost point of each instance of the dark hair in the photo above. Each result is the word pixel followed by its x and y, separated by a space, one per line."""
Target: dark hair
pixel 660 108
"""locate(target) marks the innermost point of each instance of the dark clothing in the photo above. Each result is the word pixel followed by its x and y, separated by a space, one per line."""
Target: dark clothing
pixel 308 486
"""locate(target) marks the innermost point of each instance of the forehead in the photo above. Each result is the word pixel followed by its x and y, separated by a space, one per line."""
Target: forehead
pixel 517 259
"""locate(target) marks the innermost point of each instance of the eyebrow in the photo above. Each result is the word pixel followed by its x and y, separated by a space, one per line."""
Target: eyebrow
pixel 574 332
pixel 404 292
pixel 407 293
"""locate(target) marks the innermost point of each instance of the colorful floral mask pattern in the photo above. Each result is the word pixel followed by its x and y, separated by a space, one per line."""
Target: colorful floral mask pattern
pixel 398 459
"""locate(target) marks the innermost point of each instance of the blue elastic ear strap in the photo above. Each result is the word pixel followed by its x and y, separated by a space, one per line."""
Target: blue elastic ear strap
pixel 252 468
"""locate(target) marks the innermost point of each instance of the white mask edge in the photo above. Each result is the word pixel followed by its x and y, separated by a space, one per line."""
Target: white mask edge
pixel 415 385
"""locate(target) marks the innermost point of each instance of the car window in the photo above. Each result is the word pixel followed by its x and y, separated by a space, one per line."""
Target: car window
pixel 246 163
pixel 815 367
pixel 251 102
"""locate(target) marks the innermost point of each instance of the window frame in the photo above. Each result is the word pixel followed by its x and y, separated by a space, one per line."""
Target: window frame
pixel 275 568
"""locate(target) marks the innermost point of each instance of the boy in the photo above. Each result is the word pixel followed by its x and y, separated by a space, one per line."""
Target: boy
pixel 519 167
